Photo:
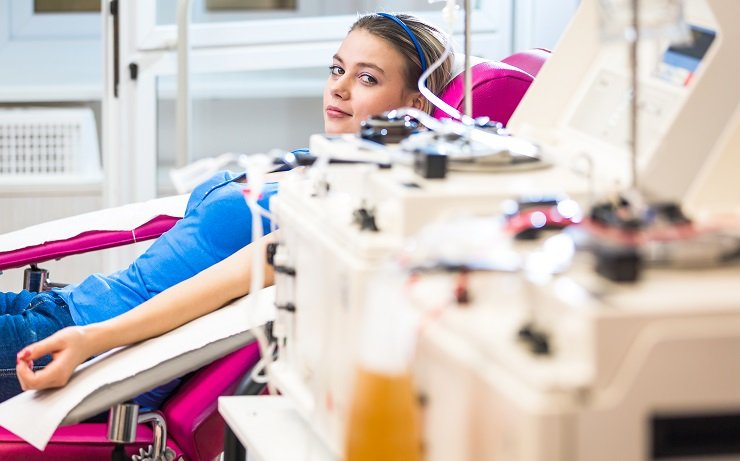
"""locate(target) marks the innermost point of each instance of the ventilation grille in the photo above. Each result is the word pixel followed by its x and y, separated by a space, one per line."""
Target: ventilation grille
pixel 48 143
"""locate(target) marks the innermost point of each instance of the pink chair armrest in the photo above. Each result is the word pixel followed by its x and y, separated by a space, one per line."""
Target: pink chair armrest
pixel 87 241
pixel 192 415
pixel 71 443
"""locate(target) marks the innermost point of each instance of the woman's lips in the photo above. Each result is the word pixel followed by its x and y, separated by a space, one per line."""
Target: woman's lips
pixel 335 112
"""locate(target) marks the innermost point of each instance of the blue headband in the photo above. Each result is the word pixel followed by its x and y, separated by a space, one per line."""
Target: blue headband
pixel 411 36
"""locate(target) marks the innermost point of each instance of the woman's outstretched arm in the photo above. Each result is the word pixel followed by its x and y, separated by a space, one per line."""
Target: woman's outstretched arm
pixel 188 300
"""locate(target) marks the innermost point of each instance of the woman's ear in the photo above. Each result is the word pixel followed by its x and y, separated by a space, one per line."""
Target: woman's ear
pixel 416 100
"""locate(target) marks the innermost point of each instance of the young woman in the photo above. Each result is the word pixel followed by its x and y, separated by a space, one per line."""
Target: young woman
pixel 375 69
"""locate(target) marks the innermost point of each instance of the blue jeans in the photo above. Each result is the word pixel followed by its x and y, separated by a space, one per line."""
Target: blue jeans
pixel 25 318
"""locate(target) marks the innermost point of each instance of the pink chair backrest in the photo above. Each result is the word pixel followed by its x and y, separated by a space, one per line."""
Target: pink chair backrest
pixel 497 87
pixel 530 61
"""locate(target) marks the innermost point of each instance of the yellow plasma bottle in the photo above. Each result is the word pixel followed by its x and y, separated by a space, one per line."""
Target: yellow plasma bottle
pixel 383 419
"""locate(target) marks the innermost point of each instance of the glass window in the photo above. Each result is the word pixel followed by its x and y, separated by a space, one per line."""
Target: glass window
pixel 251 4
pixel 206 11
pixel 66 6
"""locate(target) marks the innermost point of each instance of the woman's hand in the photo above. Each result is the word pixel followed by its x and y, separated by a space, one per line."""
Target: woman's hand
pixel 68 348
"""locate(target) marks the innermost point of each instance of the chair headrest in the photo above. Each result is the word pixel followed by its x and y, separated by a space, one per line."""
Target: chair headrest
pixel 530 61
pixel 497 87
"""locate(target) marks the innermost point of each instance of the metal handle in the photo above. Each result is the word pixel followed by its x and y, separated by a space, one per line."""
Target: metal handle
pixel 158 450
pixel 35 279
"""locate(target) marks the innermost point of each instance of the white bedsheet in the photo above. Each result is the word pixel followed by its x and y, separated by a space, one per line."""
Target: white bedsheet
pixel 35 415
pixel 126 217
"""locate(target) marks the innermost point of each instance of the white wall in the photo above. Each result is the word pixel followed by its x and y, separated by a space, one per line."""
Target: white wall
pixel 539 23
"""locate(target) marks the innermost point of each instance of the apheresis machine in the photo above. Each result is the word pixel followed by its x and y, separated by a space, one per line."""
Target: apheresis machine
pixel 565 289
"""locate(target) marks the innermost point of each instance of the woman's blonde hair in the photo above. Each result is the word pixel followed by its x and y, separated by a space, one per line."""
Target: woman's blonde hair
pixel 431 40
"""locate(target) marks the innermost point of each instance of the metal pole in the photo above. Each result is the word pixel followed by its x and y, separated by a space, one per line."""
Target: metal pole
pixel 183 103
pixel 635 77
pixel 468 77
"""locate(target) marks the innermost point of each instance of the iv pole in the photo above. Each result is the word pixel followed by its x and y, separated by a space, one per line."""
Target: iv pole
pixel 183 104
pixel 634 36
pixel 468 75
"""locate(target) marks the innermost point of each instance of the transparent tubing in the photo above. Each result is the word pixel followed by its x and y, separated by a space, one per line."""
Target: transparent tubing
pixel 433 98
pixel 257 166
pixel 450 14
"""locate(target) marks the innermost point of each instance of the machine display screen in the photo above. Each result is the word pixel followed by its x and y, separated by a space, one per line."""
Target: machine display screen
pixel 604 110
pixel 681 61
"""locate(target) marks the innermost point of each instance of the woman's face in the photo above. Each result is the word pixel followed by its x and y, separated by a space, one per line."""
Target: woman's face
pixel 366 78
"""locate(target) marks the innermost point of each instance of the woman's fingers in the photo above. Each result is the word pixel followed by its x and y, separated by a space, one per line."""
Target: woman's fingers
pixel 64 346
pixel 41 348
pixel 56 374
pixel 25 374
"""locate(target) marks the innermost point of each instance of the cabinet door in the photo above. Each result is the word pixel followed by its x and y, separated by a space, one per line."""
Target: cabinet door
pixel 255 78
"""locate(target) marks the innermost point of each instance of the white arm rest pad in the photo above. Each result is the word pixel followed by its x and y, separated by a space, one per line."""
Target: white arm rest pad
pixel 126 217
pixel 126 372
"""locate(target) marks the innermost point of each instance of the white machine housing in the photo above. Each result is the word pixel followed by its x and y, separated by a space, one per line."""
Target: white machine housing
pixel 689 133
pixel 635 371
pixel 637 360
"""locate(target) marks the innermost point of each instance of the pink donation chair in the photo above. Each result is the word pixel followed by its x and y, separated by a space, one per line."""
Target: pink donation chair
pixel 196 431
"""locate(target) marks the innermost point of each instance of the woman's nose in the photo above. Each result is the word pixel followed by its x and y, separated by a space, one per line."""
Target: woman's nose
pixel 340 88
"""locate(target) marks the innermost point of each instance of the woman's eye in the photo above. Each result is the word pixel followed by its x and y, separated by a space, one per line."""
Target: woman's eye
pixel 368 79
pixel 336 70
